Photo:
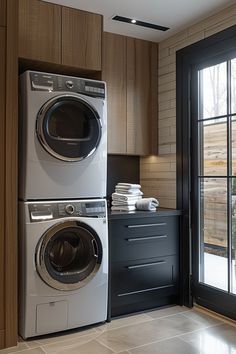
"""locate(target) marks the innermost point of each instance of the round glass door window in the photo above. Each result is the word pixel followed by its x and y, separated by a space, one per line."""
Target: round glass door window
pixel 68 255
pixel 69 128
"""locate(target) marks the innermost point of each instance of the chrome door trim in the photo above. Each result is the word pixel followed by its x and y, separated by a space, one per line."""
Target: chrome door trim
pixel 39 126
pixel 40 258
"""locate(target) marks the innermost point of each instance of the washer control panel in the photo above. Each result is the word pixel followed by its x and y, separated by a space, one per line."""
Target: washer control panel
pixel 43 211
pixel 57 83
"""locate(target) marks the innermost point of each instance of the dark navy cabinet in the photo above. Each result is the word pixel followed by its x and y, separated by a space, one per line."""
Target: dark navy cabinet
pixel 144 260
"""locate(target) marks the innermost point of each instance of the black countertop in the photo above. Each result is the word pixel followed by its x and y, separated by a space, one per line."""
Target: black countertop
pixel 141 214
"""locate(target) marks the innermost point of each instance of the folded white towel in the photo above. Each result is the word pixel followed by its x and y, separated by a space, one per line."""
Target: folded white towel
pixel 128 191
pixel 121 196
pixel 123 208
pixel 123 202
pixel 147 204
pixel 128 185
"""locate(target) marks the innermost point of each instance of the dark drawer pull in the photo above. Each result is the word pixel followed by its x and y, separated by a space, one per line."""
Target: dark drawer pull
pixel 145 290
pixel 145 225
pixel 145 238
pixel 146 265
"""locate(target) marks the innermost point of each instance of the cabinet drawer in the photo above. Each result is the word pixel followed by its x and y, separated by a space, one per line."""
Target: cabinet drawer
pixel 135 281
pixel 132 240
pixel 143 275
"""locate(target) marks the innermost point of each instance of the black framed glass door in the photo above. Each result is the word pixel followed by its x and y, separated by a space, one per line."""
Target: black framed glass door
pixel 206 173
pixel 213 131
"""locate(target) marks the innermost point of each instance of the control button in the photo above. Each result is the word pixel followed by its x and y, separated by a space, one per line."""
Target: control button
pixel 69 84
pixel 70 209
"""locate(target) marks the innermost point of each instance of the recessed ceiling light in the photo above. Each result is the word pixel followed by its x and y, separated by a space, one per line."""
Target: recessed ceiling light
pixel 139 23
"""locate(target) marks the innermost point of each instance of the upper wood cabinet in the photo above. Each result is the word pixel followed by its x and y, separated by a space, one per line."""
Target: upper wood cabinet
pixel 39 31
pixel 3 12
pixel 114 73
pixel 141 97
pixel 59 35
pixel 130 70
pixel 81 39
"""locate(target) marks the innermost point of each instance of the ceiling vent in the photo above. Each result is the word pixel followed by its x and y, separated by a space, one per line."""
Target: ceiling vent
pixel 139 23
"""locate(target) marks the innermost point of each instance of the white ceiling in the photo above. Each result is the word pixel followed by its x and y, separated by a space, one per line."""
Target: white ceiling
pixel 176 14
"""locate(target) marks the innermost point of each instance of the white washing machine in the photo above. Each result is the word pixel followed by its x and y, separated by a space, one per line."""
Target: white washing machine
pixel 62 137
pixel 63 263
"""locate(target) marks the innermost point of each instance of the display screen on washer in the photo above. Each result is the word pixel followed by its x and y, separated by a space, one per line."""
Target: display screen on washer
pixel 69 128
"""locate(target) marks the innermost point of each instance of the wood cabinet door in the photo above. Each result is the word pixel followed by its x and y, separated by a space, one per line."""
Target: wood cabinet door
pixel 40 31
pixel 114 73
pixel 2 180
pixel 81 39
pixel 2 12
pixel 141 96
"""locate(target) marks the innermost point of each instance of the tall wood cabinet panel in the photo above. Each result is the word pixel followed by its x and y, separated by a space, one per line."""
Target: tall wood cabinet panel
pixel 40 31
pixel 2 176
pixel 141 96
pixel 3 12
pixel 130 70
pixel 81 39
pixel 114 73
pixel 8 175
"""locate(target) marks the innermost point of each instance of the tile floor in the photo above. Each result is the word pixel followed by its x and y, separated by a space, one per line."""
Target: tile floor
pixel 173 330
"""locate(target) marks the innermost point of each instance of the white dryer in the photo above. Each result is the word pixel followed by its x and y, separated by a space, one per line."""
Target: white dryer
pixel 63 265
pixel 62 137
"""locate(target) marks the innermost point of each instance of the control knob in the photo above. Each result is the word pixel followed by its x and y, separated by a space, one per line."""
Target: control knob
pixel 70 209
pixel 69 84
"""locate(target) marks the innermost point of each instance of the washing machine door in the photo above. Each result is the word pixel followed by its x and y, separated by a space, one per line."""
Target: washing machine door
pixel 69 128
pixel 68 255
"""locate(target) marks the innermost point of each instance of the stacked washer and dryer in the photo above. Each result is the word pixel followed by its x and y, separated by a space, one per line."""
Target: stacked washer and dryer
pixel 63 237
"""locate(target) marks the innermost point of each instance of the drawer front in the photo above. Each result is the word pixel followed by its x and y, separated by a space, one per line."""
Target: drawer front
pixel 143 275
pixel 132 239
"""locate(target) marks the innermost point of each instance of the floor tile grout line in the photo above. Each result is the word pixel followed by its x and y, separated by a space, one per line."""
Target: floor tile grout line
pixel 172 337
pixel 106 346
pixel 199 322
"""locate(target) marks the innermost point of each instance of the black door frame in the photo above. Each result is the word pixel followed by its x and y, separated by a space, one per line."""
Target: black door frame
pixel 220 44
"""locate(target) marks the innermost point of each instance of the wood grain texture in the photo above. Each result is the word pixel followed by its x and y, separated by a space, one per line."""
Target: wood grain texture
pixel 81 39
pixel 11 177
pixel 2 339
pixel 114 73
pixel 2 175
pixel 2 12
pixel 39 31
pixel 140 112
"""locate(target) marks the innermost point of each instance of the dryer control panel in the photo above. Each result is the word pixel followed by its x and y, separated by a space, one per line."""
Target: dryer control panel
pixel 43 211
pixel 58 83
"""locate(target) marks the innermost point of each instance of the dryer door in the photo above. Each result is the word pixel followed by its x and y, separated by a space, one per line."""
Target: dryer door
pixel 69 128
pixel 68 255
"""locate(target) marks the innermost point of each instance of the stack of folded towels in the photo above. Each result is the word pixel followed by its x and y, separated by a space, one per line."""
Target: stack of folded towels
pixel 125 197
pixel 128 197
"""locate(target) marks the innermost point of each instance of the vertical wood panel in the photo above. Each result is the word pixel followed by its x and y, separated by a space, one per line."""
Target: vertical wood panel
pixel 2 176
pixel 40 31
pixel 11 155
pixel 2 12
pixel 81 39
pixel 114 73
pixel 139 96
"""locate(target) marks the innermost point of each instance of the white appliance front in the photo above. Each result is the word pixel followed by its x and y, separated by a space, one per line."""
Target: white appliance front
pixel 62 137
pixel 63 265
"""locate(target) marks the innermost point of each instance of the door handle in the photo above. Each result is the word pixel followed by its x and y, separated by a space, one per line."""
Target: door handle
pixel 146 225
pixel 145 238
pixel 145 265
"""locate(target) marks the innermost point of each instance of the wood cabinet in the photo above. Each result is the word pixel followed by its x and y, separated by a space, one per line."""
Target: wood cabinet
pixel 114 73
pixel 40 31
pixel 81 39
pixel 130 70
pixel 3 12
pixel 59 35
pixel 8 175
pixel 144 262
pixel 2 174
